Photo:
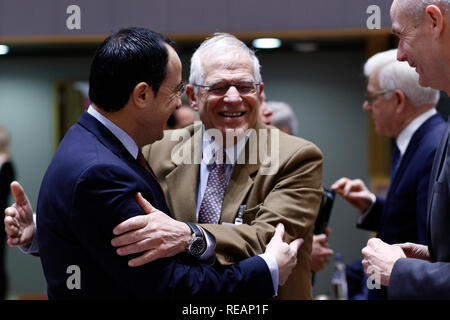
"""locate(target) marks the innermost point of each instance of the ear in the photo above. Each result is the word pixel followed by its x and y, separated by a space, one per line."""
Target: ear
pixel 400 101
pixel 193 99
pixel 434 15
pixel 142 94
pixel 261 91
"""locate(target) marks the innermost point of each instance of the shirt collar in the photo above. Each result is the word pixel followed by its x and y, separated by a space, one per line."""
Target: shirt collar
pixel 406 134
pixel 120 134
pixel 209 145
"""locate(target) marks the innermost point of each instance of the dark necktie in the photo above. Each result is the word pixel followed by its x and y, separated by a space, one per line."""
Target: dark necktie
pixel 211 206
pixel 149 170
pixel 395 160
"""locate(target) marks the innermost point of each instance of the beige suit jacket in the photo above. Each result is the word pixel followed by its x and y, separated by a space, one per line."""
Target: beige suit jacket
pixel 292 196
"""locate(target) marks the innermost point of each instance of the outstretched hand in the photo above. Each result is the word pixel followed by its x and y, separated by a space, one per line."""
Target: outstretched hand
pixel 19 225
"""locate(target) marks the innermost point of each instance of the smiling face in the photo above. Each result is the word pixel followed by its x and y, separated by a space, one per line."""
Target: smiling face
pixel 232 110
pixel 416 45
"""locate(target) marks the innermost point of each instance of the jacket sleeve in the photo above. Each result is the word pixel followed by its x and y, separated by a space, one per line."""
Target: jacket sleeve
pixel 419 279
pixel 104 197
pixel 372 220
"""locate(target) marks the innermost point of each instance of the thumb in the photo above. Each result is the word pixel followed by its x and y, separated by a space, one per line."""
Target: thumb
pixel 144 204
pixel 279 231
pixel 295 245
pixel 19 195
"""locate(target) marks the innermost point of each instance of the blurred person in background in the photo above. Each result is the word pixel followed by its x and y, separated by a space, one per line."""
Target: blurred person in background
pixel 6 177
pixel 283 117
pixel 180 118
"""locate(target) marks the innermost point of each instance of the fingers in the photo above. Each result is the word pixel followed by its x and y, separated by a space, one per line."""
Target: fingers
pixel 353 185
pixel 340 183
pixel 147 257
pixel 11 212
pixel 144 204
pixel 320 238
pixel 12 231
pixel 140 246
pixel 19 195
pixel 328 231
pixel 133 223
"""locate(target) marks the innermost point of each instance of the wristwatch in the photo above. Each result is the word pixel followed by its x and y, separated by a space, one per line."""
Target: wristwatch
pixel 197 244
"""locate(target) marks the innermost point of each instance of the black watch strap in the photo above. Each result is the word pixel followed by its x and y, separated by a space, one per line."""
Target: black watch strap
pixel 195 229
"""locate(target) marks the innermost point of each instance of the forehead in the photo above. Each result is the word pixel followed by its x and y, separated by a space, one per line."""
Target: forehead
pixel 229 66
pixel 173 63
pixel 399 18
pixel 372 82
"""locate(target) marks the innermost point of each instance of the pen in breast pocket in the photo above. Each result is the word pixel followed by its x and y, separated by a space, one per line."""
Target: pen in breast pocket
pixel 240 214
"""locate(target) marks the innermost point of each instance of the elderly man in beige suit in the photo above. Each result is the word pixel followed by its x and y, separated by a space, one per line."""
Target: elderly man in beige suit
pixel 225 88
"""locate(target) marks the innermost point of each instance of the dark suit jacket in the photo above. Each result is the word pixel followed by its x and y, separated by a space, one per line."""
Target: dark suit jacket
pixel 87 190
pixel 419 279
pixel 402 216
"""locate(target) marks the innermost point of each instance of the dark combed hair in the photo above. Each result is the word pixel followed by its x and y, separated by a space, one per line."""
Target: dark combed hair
pixel 126 58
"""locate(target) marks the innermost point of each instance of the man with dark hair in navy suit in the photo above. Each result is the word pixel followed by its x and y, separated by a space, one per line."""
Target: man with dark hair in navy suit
pixel 91 183
pixel 404 110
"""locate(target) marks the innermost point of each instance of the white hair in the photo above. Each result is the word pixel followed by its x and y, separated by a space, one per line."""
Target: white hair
pixel 393 75
pixel 415 9
pixel 223 44
pixel 283 116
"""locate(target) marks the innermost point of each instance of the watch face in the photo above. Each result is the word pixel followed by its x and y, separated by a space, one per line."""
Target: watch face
pixel 197 247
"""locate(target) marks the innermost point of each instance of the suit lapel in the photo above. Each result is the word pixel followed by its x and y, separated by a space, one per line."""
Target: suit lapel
pixel 112 143
pixel 182 181
pixel 411 149
pixel 437 166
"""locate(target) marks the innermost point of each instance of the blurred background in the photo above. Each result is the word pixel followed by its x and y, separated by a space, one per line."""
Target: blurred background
pixel 316 67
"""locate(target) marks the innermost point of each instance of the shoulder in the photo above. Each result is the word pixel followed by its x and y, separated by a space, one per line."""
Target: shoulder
pixel 290 146
pixel 171 139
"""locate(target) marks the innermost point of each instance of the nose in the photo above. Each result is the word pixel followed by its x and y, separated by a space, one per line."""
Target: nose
pixel 401 54
pixel 179 103
pixel 366 106
pixel 267 110
pixel 232 95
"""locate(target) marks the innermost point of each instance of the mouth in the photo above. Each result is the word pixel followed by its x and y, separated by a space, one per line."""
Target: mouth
pixel 231 114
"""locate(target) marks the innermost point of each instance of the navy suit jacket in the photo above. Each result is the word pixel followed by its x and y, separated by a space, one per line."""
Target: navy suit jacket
pixel 88 189
pixel 419 279
pixel 402 215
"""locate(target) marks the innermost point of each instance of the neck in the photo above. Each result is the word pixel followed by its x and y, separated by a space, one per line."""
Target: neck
pixel 413 112
pixel 123 120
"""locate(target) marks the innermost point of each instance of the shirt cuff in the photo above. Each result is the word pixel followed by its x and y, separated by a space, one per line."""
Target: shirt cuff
pixel 32 247
pixel 273 268
pixel 363 215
